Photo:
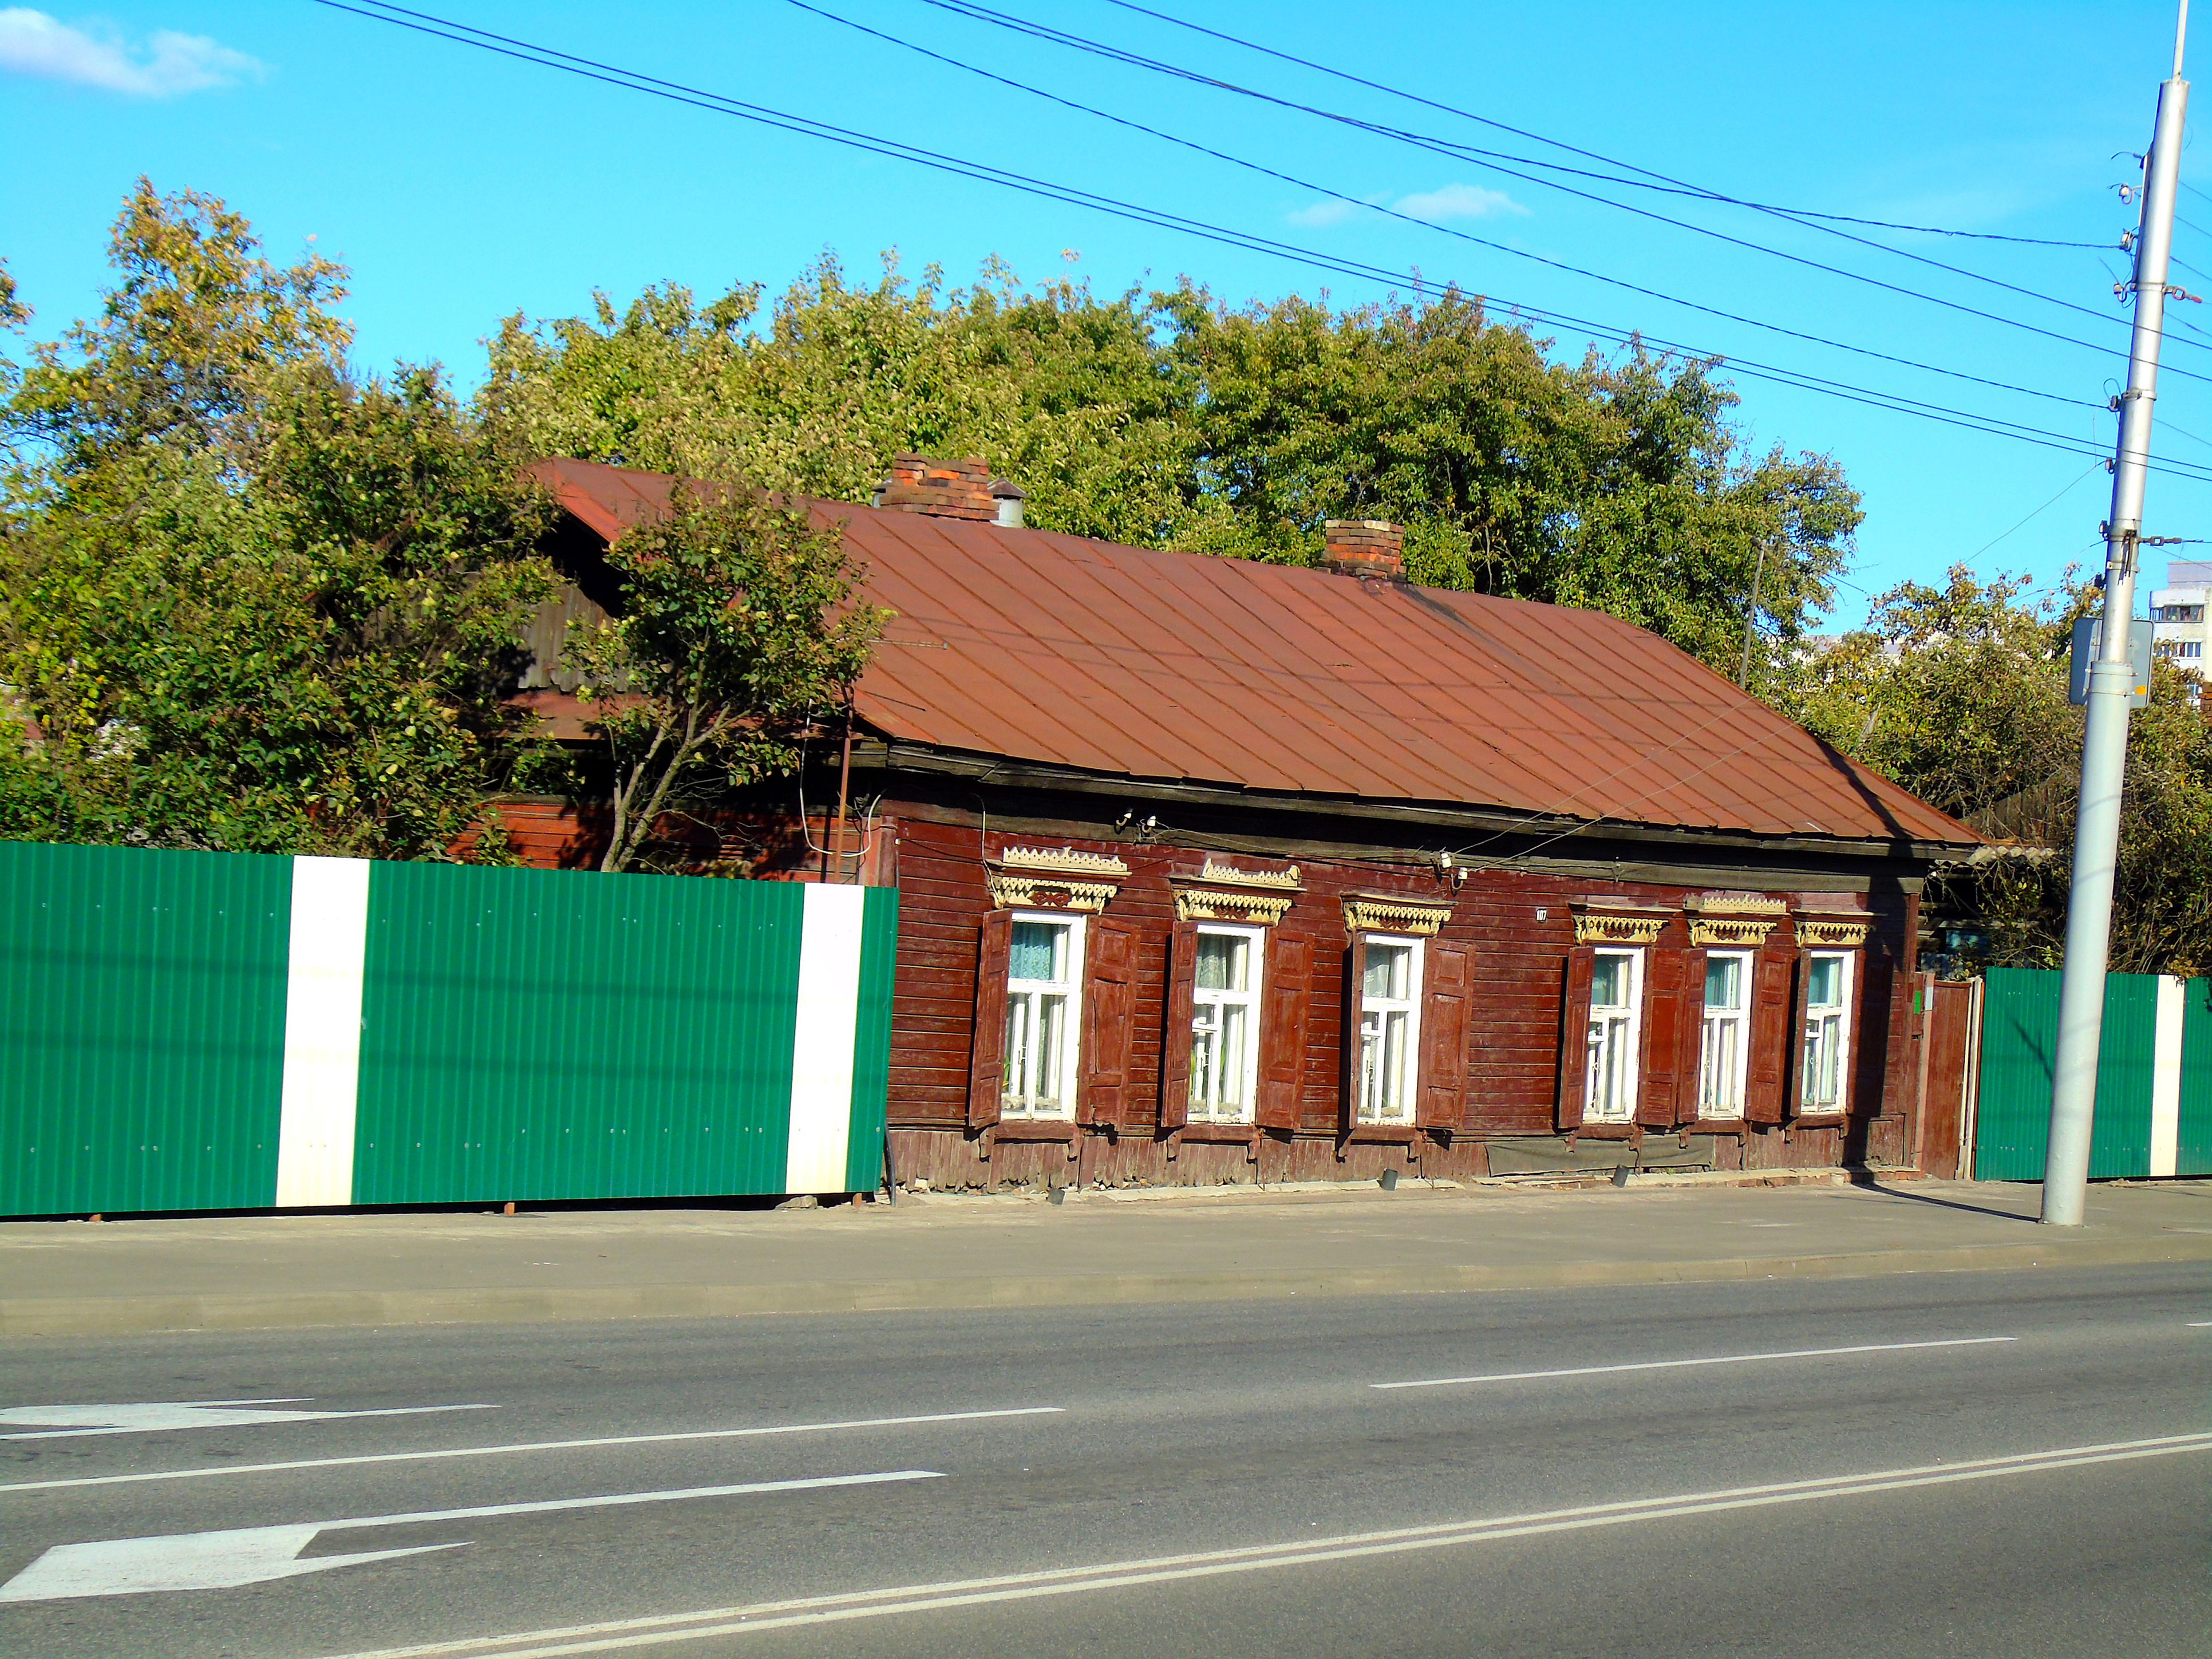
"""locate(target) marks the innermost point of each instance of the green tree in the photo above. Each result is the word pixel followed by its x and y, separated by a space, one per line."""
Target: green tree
pixel 1959 693
pixel 739 626
pixel 248 599
pixel 1169 419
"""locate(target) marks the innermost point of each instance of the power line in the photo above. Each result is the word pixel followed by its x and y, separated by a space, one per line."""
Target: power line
pixel 1676 185
pixel 1492 159
pixel 2046 507
pixel 979 13
pixel 717 103
pixel 1446 230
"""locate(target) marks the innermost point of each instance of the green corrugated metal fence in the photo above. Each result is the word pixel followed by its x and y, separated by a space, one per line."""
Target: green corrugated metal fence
pixel 189 1030
pixel 2153 1076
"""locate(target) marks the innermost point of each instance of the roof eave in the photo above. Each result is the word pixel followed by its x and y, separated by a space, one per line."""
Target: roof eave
pixel 898 755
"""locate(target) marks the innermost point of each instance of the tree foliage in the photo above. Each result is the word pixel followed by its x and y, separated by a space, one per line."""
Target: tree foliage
pixel 249 599
pixel 739 626
pixel 1959 693
pixel 1169 419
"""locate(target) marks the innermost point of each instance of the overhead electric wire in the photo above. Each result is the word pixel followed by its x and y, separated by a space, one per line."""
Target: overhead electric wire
pixel 1446 230
pixel 717 103
pixel 1489 159
pixel 1972 557
pixel 1674 184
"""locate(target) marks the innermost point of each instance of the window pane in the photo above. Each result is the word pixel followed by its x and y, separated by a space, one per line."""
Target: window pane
pixel 1235 1019
pixel 1609 982
pixel 1387 970
pixel 1052 1024
pixel 1394 1064
pixel 1221 962
pixel 1019 1048
pixel 1826 988
pixel 1040 951
pixel 1725 982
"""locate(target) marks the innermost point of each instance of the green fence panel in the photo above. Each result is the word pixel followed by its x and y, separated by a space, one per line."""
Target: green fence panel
pixel 872 1045
pixel 2193 1144
pixel 2020 1037
pixel 141 1028
pixel 553 1035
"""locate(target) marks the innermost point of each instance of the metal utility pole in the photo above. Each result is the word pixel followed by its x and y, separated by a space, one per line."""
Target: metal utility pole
pixel 2112 682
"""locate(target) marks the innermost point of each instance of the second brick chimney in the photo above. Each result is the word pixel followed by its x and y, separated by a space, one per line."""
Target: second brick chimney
pixel 949 490
pixel 1364 547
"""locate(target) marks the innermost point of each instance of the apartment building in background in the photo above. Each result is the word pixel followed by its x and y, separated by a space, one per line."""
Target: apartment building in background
pixel 2180 629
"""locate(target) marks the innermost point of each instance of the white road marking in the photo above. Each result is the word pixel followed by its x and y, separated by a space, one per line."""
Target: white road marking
pixel 1717 1359
pixel 253 1555
pixel 613 1634
pixel 159 1416
pixel 526 1446
pixel 203 1561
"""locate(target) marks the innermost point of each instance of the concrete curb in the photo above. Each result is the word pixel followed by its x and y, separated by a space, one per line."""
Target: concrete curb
pixel 367 1310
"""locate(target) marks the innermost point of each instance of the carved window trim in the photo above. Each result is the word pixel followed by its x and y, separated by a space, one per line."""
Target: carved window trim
pixel 1610 922
pixel 1393 913
pixel 1731 933
pixel 1832 933
pixel 1053 878
pixel 1222 892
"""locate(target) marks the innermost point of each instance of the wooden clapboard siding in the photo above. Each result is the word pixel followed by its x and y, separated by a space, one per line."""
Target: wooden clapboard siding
pixel 1516 965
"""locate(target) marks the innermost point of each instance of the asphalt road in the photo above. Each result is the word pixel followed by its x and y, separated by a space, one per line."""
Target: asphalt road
pixel 1216 1480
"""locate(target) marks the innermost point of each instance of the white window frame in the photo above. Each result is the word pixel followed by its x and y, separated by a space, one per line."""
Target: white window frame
pixel 1708 1039
pixel 1375 1116
pixel 1631 1037
pixel 1206 1005
pixel 1024 995
pixel 1848 984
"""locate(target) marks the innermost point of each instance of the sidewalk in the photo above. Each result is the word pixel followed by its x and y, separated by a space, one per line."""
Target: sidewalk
pixel 85 1279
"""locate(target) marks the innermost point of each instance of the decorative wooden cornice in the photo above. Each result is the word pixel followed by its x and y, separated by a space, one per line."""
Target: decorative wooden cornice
pixel 1617 921
pixel 1217 874
pixel 1054 878
pixel 1739 919
pixel 1222 892
pixel 1832 933
pixel 1736 904
pixel 1393 913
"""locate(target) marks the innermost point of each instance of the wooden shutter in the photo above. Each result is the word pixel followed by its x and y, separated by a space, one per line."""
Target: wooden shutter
pixel 1174 1027
pixel 1446 993
pixel 1766 1072
pixel 1689 1065
pixel 1109 1019
pixel 1674 1009
pixel 986 1066
pixel 1355 981
pixel 1794 1048
pixel 1285 1004
pixel 1574 1035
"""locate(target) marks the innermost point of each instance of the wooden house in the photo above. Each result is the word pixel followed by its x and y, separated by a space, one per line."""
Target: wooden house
pixel 1215 871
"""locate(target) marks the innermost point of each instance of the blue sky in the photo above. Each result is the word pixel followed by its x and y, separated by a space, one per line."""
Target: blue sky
pixel 461 187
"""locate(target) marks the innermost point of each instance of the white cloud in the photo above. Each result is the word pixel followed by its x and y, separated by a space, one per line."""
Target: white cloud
pixel 1462 202
pixel 33 43
pixel 1331 212
pixel 1437 206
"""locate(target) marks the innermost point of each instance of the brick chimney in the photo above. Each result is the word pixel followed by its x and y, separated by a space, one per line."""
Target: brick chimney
pixel 949 490
pixel 1364 547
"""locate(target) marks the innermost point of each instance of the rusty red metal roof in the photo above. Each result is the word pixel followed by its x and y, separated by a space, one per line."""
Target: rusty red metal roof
pixel 1129 662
